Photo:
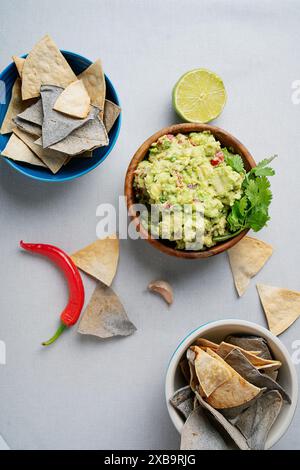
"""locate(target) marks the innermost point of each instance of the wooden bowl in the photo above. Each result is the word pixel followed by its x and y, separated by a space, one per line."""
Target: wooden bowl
pixel 227 140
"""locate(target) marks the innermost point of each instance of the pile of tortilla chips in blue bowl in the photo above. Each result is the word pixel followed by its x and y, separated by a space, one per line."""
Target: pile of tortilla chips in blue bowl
pixel 59 114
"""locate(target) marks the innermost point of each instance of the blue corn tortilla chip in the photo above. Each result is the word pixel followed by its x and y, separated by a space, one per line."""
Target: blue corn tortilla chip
pixel 88 137
pixel 244 367
pixel 251 343
pixel 111 113
pixel 105 315
pixel 183 401
pixel 57 126
pixel 256 422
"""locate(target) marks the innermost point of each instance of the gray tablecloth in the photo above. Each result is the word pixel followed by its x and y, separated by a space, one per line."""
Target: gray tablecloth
pixel 88 394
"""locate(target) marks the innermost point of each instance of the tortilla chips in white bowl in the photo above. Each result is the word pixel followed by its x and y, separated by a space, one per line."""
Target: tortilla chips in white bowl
pixel 231 384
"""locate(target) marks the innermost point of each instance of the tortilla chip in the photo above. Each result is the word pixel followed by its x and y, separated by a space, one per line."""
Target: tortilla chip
pixel 94 82
pixel 111 113
pixel 99 259
pixel 202 342
pixel 45 65
pixel 185 369
pixel 190 355
pixel 257 361
pixel 256 422
pixel 234 392
pixel 183 401
pixel 56 126
pixel 28 127
pixel 198 433
pixel 229 429
pixel 31 119
pixel 247 370
pixel 33 114
pixel 87 154
pixel 194 382
pixel 52 159
pixel 246 259
pixel 16 106
pixel 250 342
pixel 87 138
pixel 19 63
pixel 105 315
pixel 281 307
pixel 74 101
pixel 17 150
pixel 210 372
pixel 232 413
pixel 273 374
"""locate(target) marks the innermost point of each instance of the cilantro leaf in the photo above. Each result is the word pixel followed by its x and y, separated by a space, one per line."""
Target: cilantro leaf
pixel 252 210
pixel 243 203
pixel 235 161
pixel 258 192
pixel 235 219
pixel 262 168
pixel 258 218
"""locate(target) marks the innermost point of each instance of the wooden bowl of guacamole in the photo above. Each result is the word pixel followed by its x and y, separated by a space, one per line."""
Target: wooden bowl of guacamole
pixel 181 185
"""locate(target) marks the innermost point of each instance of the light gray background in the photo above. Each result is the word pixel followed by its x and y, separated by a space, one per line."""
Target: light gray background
pixel 88 394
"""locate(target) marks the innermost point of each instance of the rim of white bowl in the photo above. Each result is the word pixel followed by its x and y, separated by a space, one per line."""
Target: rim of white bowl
pixel 189 338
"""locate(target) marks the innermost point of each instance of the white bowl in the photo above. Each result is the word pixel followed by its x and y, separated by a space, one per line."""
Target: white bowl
pixel 217 331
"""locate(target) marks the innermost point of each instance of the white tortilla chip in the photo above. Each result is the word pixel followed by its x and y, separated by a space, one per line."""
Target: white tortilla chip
pixel 15 107
pixel 52 159
pixel 246 259
pixel 234 392
pixel 94 82
pixel 205 343
pixel 19 63
pixel 105 316
pixel 211 373
pixel 45 65
pixel 74 101
pixel 99 259
pixel 17 150
pixel 281 307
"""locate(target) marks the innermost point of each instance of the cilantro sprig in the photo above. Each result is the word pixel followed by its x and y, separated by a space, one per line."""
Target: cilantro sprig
pixel 252 210
pixel 235 161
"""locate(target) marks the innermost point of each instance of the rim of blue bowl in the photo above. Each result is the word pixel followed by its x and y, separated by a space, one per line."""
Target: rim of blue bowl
pixel 45 179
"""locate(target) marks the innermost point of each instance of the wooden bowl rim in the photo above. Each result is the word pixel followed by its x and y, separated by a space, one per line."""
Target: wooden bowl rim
pixel 140 154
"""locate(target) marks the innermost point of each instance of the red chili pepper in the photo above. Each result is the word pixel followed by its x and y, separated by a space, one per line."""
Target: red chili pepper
pixel 72 311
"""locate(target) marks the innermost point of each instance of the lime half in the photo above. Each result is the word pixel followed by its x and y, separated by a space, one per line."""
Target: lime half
pixel 199 96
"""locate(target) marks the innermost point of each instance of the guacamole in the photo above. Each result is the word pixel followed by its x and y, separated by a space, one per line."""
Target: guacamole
pixel 188 171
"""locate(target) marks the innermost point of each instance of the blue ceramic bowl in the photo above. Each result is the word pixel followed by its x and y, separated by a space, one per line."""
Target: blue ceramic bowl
pixel 76 167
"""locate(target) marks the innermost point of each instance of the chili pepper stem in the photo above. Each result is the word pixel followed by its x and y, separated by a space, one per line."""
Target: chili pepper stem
pixel 59 331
